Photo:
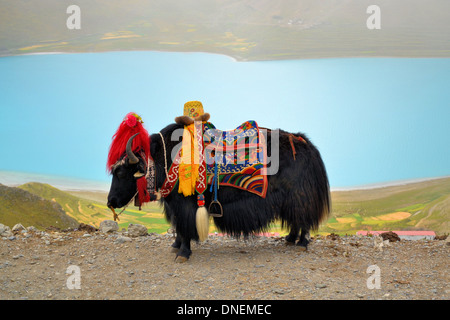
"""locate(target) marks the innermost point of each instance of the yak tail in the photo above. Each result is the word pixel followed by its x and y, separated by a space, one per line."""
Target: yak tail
pixel 202 223
pixel 309 202
pixel 322 196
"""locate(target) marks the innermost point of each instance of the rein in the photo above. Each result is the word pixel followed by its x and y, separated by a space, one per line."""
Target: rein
pixel 116 215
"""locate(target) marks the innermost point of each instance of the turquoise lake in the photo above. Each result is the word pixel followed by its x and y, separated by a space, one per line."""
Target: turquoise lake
pixel 373 120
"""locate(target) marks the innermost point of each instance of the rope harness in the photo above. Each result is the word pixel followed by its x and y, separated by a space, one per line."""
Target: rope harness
pixel 165 154
pixel 116 215
pixel 291 141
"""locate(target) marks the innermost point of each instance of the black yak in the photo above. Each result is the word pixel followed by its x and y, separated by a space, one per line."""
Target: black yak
pixel 298 194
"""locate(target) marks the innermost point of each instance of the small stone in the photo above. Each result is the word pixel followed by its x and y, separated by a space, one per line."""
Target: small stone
pixel 391 236
pixel 18 227
pixel 108 226
pixel 137 230
pixel 122 239
pixel 321 286
pixel 5 231
pixel 279 291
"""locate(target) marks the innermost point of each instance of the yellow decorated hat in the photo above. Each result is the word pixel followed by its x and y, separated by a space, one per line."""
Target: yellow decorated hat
pixel 193 111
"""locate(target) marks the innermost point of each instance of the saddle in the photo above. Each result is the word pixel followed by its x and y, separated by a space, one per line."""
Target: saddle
pixel 237 158
pixel 240 155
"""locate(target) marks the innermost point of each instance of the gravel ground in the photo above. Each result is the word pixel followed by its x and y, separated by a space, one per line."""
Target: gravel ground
pixel 46 265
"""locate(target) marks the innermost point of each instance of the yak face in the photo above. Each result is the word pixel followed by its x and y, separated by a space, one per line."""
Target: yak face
pixel 125 173
pixel 123 185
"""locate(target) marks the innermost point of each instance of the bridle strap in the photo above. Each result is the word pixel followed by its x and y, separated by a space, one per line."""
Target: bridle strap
pixel 165 154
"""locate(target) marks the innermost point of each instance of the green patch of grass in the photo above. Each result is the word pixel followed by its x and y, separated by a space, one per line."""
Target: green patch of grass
pixel 332 220
pixel 358 217
pixel 427 201
pixel 413 208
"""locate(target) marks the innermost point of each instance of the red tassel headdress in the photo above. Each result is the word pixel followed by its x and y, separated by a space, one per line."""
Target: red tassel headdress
pixel 131 125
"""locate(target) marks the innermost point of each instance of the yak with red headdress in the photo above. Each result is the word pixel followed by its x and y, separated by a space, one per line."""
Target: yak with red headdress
pixel 298 192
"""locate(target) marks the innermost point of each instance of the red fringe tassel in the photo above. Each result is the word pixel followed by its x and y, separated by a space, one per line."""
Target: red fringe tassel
pixel 120 139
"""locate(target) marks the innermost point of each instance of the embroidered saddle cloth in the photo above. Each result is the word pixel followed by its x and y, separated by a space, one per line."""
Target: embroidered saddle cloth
pixel 240 155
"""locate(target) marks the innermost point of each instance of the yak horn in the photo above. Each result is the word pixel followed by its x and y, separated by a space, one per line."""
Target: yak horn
pixel 131 156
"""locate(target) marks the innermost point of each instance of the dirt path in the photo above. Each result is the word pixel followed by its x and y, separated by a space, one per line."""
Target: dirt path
pixel 430 212
pixel 45 265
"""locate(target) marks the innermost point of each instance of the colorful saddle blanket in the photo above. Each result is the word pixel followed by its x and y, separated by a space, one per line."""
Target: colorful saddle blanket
pixel 240 155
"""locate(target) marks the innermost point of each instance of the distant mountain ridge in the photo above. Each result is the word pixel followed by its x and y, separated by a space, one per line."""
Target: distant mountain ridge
pixel 18 178
pixel 243 29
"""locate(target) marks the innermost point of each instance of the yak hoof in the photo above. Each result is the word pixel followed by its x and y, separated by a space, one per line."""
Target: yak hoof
pixel 302 248
pixel 181 259
pixel 174 250
pixel 290 240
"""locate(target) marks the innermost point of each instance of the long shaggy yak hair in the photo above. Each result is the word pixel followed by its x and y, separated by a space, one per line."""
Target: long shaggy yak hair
pixel 298 194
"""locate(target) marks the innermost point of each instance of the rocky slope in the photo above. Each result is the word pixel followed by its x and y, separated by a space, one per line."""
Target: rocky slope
pixel 18 205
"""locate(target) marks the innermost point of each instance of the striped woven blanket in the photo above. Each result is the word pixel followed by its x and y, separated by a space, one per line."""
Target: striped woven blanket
pixel 240 155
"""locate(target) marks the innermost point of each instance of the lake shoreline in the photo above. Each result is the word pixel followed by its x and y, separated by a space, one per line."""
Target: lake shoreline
pixel 234 58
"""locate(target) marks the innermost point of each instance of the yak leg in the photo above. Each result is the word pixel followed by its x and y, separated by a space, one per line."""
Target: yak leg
pixel 177 244
pixel 292 236
pixel 184 252
pixel 304 240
